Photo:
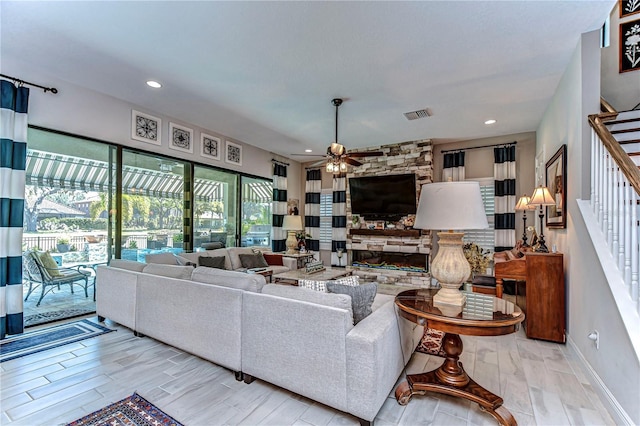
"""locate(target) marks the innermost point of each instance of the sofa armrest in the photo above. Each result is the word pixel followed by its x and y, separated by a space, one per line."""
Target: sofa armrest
pixel 378 348
pixel 290 262
pixel 116 291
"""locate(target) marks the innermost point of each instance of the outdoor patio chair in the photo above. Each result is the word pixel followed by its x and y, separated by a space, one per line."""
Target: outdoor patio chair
pixel 48 277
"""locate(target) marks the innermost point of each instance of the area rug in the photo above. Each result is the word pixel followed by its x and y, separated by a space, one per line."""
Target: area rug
pixel 47 317
pixel 49 338
pixel 131 411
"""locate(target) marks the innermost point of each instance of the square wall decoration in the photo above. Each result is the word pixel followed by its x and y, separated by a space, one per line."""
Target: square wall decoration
pixel 233 153
pixel 630 46
pixel 210 146
pixel 629 7
pixel 180 138
pixel 145 127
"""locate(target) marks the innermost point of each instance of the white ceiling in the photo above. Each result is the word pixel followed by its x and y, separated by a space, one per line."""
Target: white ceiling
pixel 264 73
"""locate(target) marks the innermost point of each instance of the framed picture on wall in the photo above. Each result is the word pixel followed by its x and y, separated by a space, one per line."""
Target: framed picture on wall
pixel 180 138
pixel 210 146
pixel 628 7
pixel 630 46
pixel 556 175
pixel 233 153
pixel 145 127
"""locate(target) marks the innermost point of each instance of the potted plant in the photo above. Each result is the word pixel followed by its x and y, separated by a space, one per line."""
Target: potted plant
pixel 62 244
pixel 477 257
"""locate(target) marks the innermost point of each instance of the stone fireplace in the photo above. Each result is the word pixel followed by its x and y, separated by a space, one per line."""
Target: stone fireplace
pixel 392 254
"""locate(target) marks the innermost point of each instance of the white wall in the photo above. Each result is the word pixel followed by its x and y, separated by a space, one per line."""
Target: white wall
pixel 590 304
pixel 92 114
pixel 621 90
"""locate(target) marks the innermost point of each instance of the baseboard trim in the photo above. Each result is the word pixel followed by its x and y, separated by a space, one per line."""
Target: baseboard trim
pixel 620 416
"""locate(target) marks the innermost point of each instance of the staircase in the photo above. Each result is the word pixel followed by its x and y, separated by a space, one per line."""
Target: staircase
pixel 615 197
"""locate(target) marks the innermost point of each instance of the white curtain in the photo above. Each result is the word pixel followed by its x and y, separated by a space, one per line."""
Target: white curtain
pixel 13 159
pixel 453 167
pixel 504 170
pixel 313 188
pixel 339 219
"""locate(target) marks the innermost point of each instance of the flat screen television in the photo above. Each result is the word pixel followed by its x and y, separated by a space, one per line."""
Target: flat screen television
pixel 387 197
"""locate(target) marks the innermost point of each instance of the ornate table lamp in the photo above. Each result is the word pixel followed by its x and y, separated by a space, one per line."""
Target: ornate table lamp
pixel 291 224
pixel 523 205
pixel 542 197
pixel 451 206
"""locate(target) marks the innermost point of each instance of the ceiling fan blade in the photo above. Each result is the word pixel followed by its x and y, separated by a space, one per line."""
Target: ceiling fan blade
pixel 366 154
pixel 308 155
pixel 352 161
pixel 317 163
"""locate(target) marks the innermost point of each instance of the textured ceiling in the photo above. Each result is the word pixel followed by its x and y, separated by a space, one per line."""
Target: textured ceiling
pixel 265 72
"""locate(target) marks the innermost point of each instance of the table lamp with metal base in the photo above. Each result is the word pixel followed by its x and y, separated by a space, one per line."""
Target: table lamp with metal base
pixel 542 197
pixel 524 204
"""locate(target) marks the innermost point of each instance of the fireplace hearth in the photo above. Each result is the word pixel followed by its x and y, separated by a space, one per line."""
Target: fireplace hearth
pixel 412 262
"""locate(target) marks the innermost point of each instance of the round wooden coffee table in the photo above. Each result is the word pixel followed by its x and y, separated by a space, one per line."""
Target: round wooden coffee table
pixel 481 315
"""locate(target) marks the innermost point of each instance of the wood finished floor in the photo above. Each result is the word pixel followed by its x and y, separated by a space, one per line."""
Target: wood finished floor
pixel 541 382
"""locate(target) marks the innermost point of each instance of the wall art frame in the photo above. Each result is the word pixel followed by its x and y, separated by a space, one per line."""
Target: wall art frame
pixel 180 138
pixel 556 178
pixel 629 46
pixel 146 128
pixel 628 7
pixel 210 146
pixel 233 153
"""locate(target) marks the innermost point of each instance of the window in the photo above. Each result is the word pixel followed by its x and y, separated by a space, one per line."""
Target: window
pixel 326 215
pixel 484 238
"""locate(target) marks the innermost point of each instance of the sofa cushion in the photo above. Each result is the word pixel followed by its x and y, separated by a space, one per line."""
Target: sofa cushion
pixel 170 271
pixel 322 285
pixel 273 259
pixel 362 297
pixel 340 301
pixel 217 262
pixel 165 258
pixel 50 265
pixel 129 265
pixel 183 261
pixel 255 260
pixel 233 279
pixel 234 256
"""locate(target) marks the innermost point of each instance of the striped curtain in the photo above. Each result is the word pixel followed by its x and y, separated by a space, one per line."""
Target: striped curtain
pixel 278 235
pixel 312 208
pixel 504 171
pixel 339 218
pixel 453 168
pixel 13 160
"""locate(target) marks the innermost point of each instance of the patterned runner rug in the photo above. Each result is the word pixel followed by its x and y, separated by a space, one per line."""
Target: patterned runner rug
pixel 46 317
pixel 131 411
pixel 49 338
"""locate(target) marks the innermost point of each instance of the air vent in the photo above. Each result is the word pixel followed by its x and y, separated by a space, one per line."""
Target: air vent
pixel 421 113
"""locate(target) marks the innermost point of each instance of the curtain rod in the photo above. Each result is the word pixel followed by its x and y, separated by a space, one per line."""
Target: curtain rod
pixel 477 147
pixel 280 162
pixel 21 82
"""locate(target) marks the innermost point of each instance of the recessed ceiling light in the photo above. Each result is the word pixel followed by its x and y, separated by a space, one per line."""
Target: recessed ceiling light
pixel 154 84
pixel 308 150
pixel 492 121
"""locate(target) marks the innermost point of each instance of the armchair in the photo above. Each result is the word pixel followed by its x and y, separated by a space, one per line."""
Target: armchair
pixel 37 270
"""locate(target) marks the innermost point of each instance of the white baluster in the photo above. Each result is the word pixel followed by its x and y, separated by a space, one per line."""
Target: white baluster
pixel 635 258
pixel 594 168
pixel 599 177
pixel 626 269
pixel 615 211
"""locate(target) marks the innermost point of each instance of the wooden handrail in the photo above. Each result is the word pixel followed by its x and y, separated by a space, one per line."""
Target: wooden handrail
pixel 621 158
pixel 606 106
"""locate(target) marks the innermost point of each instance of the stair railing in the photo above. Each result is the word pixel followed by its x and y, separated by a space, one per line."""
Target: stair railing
pixel 615 189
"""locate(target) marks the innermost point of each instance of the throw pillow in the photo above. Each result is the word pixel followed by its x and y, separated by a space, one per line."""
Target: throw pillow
pixel 250 261
pixel 352 280
pixel 49 264
pixel 169 271
pixel 212 262
pixel 361 298
pixel 431 342
pixel 273 259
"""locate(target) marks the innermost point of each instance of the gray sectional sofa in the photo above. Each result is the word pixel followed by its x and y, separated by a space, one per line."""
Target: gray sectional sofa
pixel 296 338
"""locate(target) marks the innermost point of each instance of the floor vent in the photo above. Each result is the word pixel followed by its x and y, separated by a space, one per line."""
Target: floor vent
pixel 421 113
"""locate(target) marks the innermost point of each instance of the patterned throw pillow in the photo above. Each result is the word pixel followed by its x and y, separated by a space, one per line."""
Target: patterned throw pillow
pixel 212 262
pixel 431 342
pixel 352 280
pixel 273 259
pixel 361 298
pixel 251 261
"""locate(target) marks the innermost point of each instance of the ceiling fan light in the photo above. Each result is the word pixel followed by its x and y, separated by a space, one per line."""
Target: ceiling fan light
pixel 343 166
pixel 337 149
pixel 329 167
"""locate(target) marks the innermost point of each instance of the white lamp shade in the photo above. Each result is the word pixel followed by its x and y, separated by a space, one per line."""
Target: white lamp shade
pixel 542 197
pixel 292 223
pixel 524 203
pixel 451 206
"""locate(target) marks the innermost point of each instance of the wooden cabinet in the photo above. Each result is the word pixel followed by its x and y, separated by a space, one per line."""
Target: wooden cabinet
pixel 542 297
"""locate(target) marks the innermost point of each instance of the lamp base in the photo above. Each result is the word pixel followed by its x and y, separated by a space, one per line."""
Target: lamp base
pixel 449 296
pixel 291 242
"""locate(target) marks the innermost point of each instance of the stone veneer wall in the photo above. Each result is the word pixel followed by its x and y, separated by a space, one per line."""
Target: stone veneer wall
pixel 406 157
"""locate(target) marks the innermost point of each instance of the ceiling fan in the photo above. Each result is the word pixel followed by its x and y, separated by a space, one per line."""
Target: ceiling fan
pixel 337 157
